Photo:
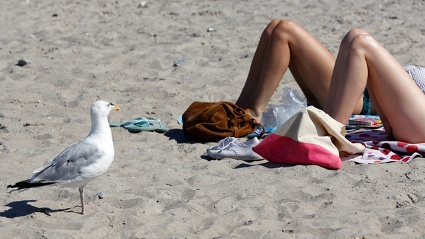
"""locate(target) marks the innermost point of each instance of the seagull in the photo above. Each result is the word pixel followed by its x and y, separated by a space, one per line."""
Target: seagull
pixel 82 162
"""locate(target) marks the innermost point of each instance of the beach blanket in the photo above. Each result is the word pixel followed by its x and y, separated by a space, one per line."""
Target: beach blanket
pixel 313 137
pixel 380 149
pixel 309 137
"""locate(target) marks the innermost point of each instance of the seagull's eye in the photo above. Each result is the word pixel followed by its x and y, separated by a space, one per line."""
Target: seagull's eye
pixel 111 104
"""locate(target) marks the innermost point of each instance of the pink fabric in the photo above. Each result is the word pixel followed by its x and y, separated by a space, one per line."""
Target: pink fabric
pixel 309 137
pixel 281 149
pixel 381 149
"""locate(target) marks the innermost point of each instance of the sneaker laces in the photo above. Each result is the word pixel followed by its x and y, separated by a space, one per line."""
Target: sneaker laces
pixel 231 146
pixel 224 143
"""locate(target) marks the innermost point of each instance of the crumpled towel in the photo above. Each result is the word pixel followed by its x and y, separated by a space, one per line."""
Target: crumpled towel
pixel 380 149
pixel 309 137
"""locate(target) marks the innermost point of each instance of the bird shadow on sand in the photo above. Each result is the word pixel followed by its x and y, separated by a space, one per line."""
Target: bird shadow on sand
pixel 23 208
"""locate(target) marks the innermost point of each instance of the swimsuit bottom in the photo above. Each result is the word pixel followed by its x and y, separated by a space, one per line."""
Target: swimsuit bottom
pixel 366 103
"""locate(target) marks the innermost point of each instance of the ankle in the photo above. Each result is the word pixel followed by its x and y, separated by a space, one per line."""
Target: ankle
pixel 255 114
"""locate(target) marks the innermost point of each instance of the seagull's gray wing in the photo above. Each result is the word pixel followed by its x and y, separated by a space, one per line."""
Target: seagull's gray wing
pixel 67 165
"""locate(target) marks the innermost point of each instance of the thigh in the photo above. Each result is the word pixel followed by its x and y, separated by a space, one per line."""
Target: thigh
pixel 311 64
pixel 398 99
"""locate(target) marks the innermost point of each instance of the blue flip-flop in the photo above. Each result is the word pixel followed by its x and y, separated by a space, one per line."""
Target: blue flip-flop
pixel 123 124
pixel 180 120
pixel 142 124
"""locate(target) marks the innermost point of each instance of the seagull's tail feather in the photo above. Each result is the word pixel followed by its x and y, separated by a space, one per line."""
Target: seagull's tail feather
pixel 25 184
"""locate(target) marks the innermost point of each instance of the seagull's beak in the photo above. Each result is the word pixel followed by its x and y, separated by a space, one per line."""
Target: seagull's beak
pixel 115 108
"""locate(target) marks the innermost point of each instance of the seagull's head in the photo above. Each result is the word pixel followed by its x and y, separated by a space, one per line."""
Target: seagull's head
pixel 102 108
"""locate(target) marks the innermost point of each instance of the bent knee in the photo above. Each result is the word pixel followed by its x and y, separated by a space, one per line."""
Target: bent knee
pixel 276 25
pixel 363 42
pixel 285 29
pixel 353 33
pixel 356 31
pixel 286 25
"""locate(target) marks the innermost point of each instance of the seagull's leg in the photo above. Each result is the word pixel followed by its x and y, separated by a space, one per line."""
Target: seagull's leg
pixel 81 190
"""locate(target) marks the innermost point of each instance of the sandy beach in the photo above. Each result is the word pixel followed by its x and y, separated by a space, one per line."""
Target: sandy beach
pixel 153 59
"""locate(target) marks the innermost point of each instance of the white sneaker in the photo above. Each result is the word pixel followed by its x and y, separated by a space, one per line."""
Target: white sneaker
pixel 230 147
pixel 223 143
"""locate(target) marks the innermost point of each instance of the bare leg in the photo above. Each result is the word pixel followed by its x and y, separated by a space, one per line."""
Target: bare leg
pixel 286 44
pixel 253 78
pixel 338 71
pixel 397 98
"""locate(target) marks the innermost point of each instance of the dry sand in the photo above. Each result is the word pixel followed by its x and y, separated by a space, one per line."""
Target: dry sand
pixel 160 185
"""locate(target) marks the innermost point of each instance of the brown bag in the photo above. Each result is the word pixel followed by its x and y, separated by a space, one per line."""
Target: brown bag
pixel 212 121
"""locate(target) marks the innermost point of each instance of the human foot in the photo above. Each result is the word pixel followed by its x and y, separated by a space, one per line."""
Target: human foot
pixel 254 114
